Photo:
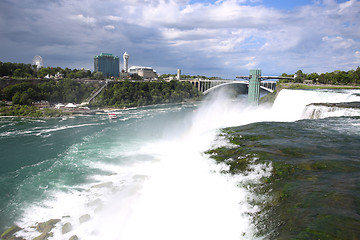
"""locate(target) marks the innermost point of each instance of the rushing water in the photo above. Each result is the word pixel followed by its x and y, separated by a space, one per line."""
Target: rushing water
pixel 145 174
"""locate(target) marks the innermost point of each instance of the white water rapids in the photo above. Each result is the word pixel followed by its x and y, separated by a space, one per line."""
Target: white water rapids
pixel 177 192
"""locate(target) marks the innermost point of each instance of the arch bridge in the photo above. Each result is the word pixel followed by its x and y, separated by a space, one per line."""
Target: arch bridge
pixel 254 82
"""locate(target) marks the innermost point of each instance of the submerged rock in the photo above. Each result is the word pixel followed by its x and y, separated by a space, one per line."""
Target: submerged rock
pixel 47 226
pixel 45 229
pixel 74 237
pixel 8 234
pixel 84 218
pixel 43 236
pixel 66 228
pixel 103 185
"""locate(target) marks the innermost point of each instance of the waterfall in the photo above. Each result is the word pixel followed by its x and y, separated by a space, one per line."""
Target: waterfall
pixel 292 105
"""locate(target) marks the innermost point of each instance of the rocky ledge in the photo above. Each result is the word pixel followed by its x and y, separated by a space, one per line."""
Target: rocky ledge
pixel 339 105
pixel 44 228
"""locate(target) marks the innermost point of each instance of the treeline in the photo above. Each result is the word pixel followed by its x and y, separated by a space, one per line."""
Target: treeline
pixel 164 76
pixel 22 70
pixel 30 111
pixel 132 94
pixel 65 90
pixel 337 77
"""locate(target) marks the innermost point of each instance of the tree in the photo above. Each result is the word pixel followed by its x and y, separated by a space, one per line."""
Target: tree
pixel 18 73
pixel 300 76
pixel 313 76
pixel 98 75
pixel 356 75
pixel 43 72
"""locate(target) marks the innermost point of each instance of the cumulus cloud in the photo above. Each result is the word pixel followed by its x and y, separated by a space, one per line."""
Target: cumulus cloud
pixel 83 19
pixel 222 38
pixel 338 42
pixel 109 27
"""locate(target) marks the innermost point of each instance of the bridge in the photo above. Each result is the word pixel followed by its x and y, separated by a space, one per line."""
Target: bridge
pixel 254 82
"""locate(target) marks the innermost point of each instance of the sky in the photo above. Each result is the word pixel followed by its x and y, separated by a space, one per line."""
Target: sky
pixel 222 38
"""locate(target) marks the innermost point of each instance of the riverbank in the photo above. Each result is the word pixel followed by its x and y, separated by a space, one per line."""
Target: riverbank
pixel 52 112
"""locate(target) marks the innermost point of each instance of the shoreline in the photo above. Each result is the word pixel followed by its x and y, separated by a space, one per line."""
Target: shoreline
pixel 69 112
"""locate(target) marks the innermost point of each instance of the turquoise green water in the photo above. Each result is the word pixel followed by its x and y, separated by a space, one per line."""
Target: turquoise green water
pixel 41 156
pixel 147 170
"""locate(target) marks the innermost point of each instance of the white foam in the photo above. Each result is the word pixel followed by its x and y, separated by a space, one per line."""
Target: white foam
pixel 174 191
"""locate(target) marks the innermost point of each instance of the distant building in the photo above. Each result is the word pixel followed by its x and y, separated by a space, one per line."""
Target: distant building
pixel 41 104
pixel 178 76
pixel 126 62
pixel 144 72
pixel 108 64
pixel 59 75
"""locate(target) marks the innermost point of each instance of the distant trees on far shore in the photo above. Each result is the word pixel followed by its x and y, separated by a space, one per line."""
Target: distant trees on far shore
pixel 337 77
pixel 28 71
pixel 132 94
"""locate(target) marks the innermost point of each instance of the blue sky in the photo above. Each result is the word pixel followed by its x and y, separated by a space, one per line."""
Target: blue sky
pixel 214 38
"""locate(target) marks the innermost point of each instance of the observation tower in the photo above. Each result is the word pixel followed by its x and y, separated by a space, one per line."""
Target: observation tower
pixel 126 62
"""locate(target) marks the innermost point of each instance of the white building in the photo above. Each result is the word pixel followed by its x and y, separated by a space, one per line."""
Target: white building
pixel 144 72
pixel 126 62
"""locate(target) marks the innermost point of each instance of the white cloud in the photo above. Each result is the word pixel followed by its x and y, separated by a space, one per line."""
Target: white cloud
pixel 163 33
pixel 109 27
pixel 347 4
pixel 357 53
pixel 338 42
pixel 114 18
pixel 83 19
pixel 252 63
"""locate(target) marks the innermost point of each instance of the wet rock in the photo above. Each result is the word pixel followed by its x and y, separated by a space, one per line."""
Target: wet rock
pixel 103 185
pixel 74 237
pixel 96 202
pixel 46 227
pixel 84 218
pixel 98 209
pixel 43 236
pixel 66 228
pixel 8 234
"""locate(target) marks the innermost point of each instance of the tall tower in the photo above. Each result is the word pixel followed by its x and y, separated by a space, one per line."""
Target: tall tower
pixel 126 62
pixel 254 86
pixel 178 76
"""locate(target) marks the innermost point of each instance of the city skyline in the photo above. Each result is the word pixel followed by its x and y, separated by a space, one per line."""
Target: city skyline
pixel 221 38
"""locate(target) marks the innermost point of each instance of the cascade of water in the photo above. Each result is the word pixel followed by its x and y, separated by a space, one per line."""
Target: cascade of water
pixel 291 105
pixel 169 189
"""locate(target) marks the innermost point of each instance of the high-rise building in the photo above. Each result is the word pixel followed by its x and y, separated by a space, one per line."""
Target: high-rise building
pixel 108 64
pixel 126 62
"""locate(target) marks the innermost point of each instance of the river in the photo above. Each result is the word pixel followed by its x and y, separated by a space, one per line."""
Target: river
pixel 145 175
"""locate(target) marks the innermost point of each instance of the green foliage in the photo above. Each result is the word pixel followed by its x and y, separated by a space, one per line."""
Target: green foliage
pixel 29 111
pixel 135 76
pixel 21 70
pixel 65 90
pixel 336 78
pixel 97 75
pixel 18 70
pixel 131 94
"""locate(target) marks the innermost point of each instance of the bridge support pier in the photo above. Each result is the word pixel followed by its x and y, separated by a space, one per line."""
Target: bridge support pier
pixel 254 86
